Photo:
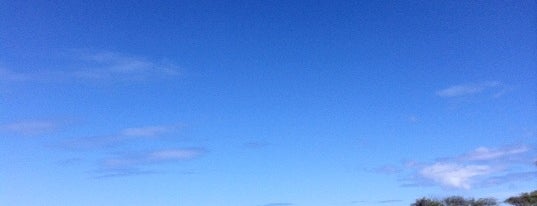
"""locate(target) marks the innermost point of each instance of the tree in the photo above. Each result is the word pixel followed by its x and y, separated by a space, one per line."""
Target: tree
pixel 524 199
pixel 461 201
pixel 455 201
pixel 485 202
pixel 426 202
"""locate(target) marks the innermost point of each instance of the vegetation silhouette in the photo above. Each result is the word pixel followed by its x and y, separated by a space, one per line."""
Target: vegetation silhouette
pixel 455 201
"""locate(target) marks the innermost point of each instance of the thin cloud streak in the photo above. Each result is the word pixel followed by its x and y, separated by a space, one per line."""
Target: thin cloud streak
pixel 510 177
pixel 128 134
pixel 111 65
pixel 387 169
pixel 98 66
pixel 149 131
pixel 70 162
pixel 256 145
pixel 112 173
pixel 389 201
pixel 91 142
pixel 484 153
pixel 7 75
pixel 134 164
pixel 30 127
pixel 153 157
pixel 466 89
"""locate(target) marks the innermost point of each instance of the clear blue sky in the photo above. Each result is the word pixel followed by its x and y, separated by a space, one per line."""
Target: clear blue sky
pixel 265 103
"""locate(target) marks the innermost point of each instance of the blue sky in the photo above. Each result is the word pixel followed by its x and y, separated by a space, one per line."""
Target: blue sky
pixel 266 103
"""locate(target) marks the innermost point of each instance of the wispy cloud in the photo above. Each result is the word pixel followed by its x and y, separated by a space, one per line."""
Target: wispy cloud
pixel 137 163
pixel 387 169
pixel 110 173
pixel 480 167
pixel 112 65
pixel 149 131
pixel 256 144
pixel 70 161
pixel 484 153
pixel 122 163
pixel 96 66
pixel 467 89
pixel 454 175
pixel 133 133
pixel 91 142
pixel 389 201
pixel 7 75
pixel 30 127
pixel 158 156
pixel 510 177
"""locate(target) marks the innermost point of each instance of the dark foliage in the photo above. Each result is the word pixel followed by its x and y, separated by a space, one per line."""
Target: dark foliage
pixel 524 199
pixel 485 202
pixel 426 202
pixel 455 201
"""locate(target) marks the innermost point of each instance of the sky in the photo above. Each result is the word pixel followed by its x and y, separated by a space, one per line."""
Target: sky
pixel 266 103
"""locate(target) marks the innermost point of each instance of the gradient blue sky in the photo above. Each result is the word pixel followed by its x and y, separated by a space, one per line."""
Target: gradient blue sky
pixel 265 103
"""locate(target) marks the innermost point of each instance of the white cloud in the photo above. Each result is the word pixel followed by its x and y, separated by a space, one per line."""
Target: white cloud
pixel 480 167
pixel 484 153
pixel 30 127
pixel 454 175
pixel 466 89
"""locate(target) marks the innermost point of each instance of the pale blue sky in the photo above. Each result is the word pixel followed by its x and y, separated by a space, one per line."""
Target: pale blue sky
pixel 267 103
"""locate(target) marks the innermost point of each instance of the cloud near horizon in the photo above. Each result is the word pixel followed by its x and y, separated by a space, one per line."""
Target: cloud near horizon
pixel 454 175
